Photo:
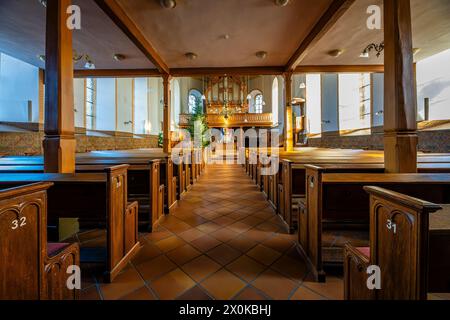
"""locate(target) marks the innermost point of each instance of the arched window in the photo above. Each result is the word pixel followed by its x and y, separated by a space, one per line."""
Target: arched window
pixel 195 98
pixel 259 103
pixel 256 101
pixel 275 101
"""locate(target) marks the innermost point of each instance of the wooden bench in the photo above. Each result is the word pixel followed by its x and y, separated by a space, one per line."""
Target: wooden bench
pixel 409 242
pixel 337 209
pixel 98 200
pixel 147 181
pixel 31 268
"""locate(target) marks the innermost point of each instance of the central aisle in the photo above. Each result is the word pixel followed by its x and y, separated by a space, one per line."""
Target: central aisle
pixel 223 241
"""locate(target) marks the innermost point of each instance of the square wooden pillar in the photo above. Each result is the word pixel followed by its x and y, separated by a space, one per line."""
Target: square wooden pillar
pixel 288 125
pixel 59 142
pixel 167 144
pixel 400 126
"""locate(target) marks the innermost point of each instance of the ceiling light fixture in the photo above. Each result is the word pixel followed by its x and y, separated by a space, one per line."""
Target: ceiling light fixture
pixel 168 4
pixel 335 53
pixel 416 51
pixel 378 48
pixel 261 54
pixel 76 58
pixel 190 55
pixel 119 57
pixel 281 3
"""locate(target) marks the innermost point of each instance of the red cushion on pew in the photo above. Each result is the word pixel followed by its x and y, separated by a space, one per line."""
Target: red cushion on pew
pixel 54 248
pixel 365 251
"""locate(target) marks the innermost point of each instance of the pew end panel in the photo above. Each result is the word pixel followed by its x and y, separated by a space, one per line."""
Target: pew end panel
pixel 400 223
pixel 31 269
pixel 356 262
pixel 121 218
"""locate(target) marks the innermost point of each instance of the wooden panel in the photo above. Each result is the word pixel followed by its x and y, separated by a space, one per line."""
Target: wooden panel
pixel 131 222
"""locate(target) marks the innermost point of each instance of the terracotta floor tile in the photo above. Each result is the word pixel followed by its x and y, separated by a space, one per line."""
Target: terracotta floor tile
pixel 196 293
pixel 224 221
pixel 239 227
pixel 268 227
pixel 279 243
pixel 264 255
pixel 294 269
pixel 208 227
pixel 304 293
pixel 183 254
pixel 223 285
pixel 147 252
pixel 159 235
pixel 258 235
pixel 250 294
pixel 155 268
pixel 223 254
pixel 205 243
pixel 246 268
pixel 332 289
pixel 224 234
pixel 143 293
pixel 191 234
pixel 201 267
pixel 172 284
pixel 242 243
pixel 169 244
pixel 125 283
pixel 275 285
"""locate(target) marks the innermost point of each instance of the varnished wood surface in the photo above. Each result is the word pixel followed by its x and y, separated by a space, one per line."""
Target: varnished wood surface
pixel 397 178
pixel 52 177
pixel 440 220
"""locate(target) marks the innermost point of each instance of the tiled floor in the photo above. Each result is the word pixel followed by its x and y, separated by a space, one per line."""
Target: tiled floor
pixel 223 242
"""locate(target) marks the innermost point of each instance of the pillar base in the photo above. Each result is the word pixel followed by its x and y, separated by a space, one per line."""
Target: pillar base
pixel 59 154
pixel 400 152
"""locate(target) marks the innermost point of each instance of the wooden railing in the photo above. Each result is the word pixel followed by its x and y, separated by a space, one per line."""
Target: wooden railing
pixel 235 120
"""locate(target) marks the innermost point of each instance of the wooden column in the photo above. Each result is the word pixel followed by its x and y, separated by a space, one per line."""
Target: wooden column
pixel 167 146
pixel 59 142
pixel 288 125
pixel 400 126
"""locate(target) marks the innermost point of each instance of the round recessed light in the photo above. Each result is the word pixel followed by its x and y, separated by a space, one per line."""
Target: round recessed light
pixel 190 55
pixel 281 3
pixel 118 57
pixel 168 4
pixel 261 54
pixel 225 36
pixel 335 53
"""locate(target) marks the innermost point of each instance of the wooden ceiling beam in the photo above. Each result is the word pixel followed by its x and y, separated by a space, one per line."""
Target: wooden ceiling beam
pixel 186 72
pixel 123 21
pixel 334 12
pixel 340 69
pixel 117 73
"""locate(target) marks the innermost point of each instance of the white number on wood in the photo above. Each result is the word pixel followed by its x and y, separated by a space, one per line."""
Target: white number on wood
pixel 392 226
pixel 19 223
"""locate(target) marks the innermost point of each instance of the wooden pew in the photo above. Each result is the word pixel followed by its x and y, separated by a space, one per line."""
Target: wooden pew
pixel 149 180
pixel 31 268
pixel 409 242
pixel 97 200
pixel 337 209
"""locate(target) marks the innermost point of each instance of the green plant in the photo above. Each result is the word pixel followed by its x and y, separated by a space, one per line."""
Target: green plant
pixel 198 125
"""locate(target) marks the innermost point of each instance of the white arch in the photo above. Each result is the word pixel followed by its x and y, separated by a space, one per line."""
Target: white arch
pixel 275 100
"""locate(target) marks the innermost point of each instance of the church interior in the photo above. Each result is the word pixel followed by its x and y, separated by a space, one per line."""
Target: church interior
pixel 224 150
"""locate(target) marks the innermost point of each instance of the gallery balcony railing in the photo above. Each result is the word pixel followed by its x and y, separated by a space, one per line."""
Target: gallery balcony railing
pixel 234 120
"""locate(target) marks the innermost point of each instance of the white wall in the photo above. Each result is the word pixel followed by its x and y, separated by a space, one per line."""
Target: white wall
pixel 19 83
pixel 106 104
pixel 80 102
pixel 124 104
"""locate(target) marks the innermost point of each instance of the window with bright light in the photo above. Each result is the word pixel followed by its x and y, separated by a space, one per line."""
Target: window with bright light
pixel 259 103
pixel 141 118
pixel 314 103
pixel 275 100
pixel 90 103
pixel 354 101
pixel 433 87
pixel 195 98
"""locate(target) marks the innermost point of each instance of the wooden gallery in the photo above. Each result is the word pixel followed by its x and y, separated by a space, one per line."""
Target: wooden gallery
pixel 224 150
